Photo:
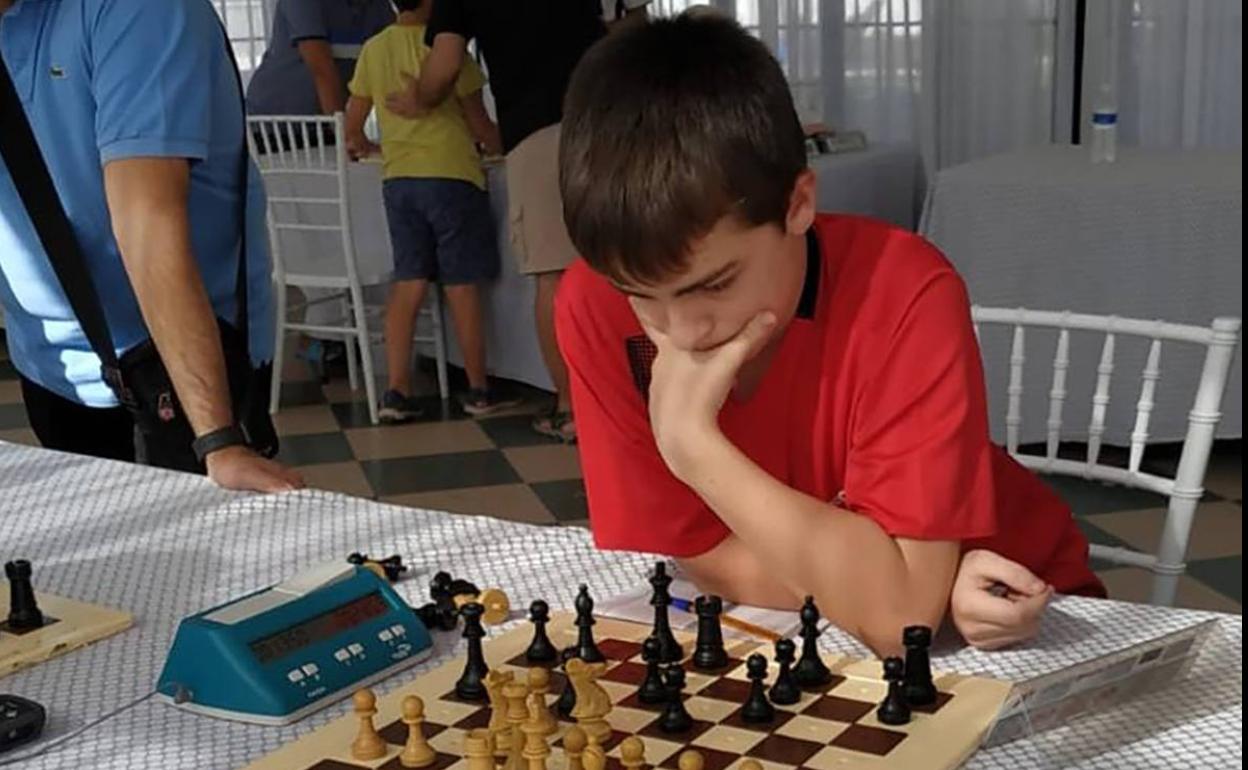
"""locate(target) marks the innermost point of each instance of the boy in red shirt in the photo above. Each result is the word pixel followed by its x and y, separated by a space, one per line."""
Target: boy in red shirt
pixel 789 403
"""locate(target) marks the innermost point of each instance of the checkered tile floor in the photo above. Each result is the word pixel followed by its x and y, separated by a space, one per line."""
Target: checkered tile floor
pixel 498 467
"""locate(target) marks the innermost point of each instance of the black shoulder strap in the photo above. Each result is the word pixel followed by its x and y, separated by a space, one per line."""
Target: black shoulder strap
pixel 43 205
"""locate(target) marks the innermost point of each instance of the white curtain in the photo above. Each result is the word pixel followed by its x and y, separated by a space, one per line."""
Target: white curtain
pixel 1172 67
pixel 958 79
pixel 247 23
pixel 996 76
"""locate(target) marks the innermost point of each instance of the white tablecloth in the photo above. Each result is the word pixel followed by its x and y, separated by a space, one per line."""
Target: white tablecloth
pixel 511 338
pixel 163 545
pixel 1156 235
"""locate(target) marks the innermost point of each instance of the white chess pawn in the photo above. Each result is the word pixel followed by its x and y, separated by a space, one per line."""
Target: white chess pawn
pixel 416 752
pixel 693 760
pixel 632 753
pixel 574 743
pixel 368 744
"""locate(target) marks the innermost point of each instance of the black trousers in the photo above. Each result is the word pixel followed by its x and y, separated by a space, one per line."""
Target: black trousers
pixel 68 426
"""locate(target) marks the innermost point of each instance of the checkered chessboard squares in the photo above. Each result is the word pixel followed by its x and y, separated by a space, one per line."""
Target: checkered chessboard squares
pixel 826 727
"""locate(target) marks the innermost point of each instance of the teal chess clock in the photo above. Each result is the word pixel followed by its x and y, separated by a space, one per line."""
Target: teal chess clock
pixel 277 655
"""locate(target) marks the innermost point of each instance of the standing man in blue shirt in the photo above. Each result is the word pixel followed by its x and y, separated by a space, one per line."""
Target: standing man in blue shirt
pixel 312 53
pixel 135 107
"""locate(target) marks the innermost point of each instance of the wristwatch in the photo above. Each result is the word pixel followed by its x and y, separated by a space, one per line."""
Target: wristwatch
pixel 231 435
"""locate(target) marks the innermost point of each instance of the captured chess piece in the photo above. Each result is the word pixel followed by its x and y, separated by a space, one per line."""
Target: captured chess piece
pixel 675 717
pixel 586 649
pixel 757 708
pixel 574 742
pixel 471 684
pixel 653 689
pixel 632 753
pixel 811 670
pixel 24 613
pixel 785 690
pixel 708 652
pixel 670 650
pixel 368 744
pixel 496 606
pixel 920 690
pixel 416 751
pixel 894 710
pixel 390 568
pixel 540 649
pixel 443 586
pixel 567 698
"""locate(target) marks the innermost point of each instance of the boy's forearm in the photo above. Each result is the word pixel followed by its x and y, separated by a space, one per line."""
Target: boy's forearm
pixel 865 581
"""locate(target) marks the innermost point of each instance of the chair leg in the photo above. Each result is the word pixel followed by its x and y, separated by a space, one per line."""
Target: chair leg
pixel 1172 550
pixel 279 350
pixel 353 375
pixel 439 345
pixel 361 340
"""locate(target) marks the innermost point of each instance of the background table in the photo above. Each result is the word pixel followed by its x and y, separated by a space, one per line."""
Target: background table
pixel 880 182
pixel 1156 235
pixel 163 545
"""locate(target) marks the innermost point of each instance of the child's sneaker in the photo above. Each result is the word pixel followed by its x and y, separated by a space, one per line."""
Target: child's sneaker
pixel 480 403
pixel 397 408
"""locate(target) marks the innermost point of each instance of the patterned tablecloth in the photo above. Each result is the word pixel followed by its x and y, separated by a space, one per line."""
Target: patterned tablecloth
pixel 164 545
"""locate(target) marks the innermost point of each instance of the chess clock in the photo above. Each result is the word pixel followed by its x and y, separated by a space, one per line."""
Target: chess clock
pixel 275 656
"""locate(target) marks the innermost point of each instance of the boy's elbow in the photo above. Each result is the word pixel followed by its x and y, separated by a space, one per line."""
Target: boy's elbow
pixel 881 630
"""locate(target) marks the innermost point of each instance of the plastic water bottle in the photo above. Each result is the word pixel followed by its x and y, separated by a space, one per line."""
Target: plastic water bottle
pixel 1104 129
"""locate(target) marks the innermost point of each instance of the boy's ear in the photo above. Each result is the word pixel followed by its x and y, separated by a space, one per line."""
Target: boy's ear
pixel 801 204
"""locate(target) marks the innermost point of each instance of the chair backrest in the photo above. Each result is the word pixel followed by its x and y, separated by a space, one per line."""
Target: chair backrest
pixel 1219 339
pixel 303 161
pixel 1186 487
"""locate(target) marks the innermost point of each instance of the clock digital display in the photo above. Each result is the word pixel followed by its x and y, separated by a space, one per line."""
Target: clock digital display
pixel 323 626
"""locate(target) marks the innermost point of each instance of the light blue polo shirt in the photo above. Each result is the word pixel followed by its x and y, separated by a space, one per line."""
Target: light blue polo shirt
pixel 104 80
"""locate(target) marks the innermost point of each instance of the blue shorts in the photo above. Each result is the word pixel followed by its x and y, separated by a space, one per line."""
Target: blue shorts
pixel 441 230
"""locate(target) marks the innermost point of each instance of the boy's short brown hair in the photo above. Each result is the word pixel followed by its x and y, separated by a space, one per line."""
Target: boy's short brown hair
pixel 667 127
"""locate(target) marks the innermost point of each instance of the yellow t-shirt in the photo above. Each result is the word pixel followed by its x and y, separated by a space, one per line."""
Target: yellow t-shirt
pixel 436 145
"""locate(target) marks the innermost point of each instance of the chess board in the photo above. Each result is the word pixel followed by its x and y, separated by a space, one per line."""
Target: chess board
pixel 68 625
pixel 832 728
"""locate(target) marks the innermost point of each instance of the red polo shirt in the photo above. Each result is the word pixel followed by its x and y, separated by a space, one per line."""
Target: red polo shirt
pixel 874 400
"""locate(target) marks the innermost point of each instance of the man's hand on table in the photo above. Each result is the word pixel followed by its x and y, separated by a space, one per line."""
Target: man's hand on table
pixel 238 467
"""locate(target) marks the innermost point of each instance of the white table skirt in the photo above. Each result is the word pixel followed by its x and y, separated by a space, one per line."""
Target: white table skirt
pixel 1156 235
pixel 163 545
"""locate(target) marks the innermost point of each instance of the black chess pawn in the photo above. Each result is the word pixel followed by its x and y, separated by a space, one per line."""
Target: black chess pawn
pixel 540 649
pixel 675 718
pixel 586 648
pixel 894 710
pixel 653 689
pixel 920 690
pixel 757 708
pixel 810 670
pixel 708 652
pixel 785 691
pixel 471 684
pixel 670 650
pixel 567 698
pixel 24 613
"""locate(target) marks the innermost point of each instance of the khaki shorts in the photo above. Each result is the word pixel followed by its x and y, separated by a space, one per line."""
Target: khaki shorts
pixel 534 206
